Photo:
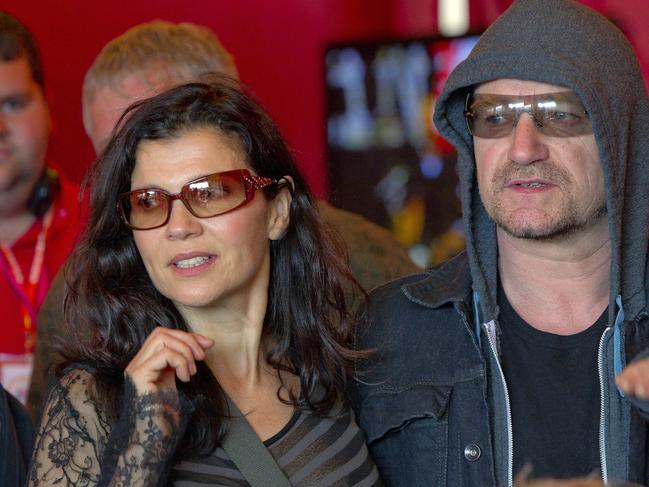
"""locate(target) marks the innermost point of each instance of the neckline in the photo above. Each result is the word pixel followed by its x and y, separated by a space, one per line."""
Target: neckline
pixel 527 332
pixel 285 429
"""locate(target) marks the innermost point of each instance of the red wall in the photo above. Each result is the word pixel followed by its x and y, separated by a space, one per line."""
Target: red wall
pixel 278 46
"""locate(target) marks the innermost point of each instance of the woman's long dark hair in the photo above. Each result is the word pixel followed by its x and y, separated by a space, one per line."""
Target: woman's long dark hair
pixel 112 298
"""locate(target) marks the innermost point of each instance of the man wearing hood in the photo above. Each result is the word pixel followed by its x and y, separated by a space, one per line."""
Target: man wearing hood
pixel 507 355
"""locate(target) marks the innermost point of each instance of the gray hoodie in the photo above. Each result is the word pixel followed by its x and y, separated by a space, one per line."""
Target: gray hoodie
pixel 564 43
pixel 432 398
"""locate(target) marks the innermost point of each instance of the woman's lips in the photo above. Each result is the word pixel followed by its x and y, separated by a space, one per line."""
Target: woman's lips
pixel 192 263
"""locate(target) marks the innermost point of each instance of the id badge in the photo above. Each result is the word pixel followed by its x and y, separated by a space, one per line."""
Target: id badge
pixel 15 374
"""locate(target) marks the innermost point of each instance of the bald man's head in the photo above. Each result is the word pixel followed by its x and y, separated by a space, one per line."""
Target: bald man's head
pixel 145 60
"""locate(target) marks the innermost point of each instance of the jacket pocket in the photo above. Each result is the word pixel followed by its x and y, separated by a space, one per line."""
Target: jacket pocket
pixel 407 433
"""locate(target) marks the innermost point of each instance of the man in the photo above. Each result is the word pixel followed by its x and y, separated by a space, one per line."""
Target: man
pixel 155 56
pixel 38 209
pixel 16 440
pixel 506 355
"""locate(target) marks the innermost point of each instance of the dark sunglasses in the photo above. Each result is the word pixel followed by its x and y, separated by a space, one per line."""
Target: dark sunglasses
pixel 555 114
pixel 204 197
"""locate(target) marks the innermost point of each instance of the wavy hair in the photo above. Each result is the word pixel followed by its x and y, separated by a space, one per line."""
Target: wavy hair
pixel 112 298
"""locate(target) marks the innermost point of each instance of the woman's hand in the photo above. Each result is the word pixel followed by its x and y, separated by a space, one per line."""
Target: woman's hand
pixel 165 355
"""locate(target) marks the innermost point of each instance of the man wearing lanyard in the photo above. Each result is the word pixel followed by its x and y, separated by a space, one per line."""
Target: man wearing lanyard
pixel 38 209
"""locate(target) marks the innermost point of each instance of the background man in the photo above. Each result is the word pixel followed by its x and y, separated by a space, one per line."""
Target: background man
pixel 507 354
pixel 155 56
pixel 38 208
pixel 16 440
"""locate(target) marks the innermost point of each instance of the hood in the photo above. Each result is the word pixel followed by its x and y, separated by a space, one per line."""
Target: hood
pixel 564 43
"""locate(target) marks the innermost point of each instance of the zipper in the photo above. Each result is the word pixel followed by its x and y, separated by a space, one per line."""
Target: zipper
pixel 602 397
pixel 491 333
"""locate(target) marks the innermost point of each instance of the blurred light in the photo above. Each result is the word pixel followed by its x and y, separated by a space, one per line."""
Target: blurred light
pixel 420 255
pixel 392 189
pixel 453 17
pixel 431 166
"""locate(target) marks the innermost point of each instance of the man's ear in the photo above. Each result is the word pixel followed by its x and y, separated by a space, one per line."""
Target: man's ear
pixel 279 216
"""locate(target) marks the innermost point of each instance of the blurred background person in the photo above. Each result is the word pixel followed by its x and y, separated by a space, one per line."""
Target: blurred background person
pixel 16 440
pixel 143 61
pixel 233 292
pixel 38 207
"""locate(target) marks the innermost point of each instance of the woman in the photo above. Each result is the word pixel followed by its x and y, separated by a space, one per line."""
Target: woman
pixel 232 292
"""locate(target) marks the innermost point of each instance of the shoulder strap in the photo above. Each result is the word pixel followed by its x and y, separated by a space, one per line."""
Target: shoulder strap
pixel 249 453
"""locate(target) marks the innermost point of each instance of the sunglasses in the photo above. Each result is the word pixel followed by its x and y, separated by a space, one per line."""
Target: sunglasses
pixel 204 197
pixel 555 114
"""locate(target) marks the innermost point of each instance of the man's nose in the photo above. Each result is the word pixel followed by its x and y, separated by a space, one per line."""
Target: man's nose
pixel 527 143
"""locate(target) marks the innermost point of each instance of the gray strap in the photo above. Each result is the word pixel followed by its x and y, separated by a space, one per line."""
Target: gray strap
pixel 249 453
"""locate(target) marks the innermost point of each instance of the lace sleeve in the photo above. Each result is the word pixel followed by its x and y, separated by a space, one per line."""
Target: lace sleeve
pixel 76 445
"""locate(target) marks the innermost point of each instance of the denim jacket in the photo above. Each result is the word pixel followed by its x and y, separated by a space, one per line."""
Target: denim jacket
pixel 432 398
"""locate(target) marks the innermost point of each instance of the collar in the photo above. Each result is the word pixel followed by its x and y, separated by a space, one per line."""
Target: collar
pixel 450 282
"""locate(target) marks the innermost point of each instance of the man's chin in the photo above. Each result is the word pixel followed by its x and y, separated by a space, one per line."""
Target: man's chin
pixel 531 232
pixel 7 178
pixel 529 223
pixel 544 225
pixel 13 200
pixel 547 231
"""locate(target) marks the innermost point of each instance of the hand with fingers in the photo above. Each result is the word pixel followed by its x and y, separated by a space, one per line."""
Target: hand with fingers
pixel 634 379
pixel 165 355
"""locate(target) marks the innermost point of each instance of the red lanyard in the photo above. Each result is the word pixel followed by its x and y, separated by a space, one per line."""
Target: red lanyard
pixel 28 291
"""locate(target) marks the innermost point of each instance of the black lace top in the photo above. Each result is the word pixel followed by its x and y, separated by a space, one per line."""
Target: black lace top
pixel 78 446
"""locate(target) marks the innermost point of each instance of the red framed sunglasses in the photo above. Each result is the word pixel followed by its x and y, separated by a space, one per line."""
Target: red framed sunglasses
pixel 204 197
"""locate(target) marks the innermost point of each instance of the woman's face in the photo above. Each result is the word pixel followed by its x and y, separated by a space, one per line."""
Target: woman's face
pixel 205 262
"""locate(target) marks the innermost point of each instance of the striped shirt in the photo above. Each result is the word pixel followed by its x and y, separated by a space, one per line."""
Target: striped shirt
pixel 310 450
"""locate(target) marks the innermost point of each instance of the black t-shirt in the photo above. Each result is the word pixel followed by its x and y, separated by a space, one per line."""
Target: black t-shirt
pixel 554 394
